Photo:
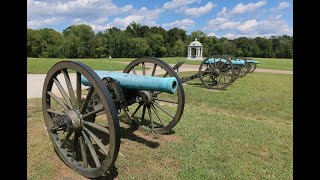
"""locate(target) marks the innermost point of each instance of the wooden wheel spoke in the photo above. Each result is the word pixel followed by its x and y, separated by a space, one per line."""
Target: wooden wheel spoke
pixel 158 105
pixel 83 152
pixel 52 111
pixel 211 66
pixel 91 149
pixel 78 89
pixel 74 146
pixel 156 113
pixel 165 74
pixel 97 109
pixel 154 94
pixel 134 71
pixel 66 139
pixel 150 118
pixel 143 113
pixel 164 100
pixel 63 92
pixel 154 69
pixel 143 69
pixel 58 100
pixel 69 85
pixel 86 101
pixel 97 140
pixel 96 126
pixel 136 110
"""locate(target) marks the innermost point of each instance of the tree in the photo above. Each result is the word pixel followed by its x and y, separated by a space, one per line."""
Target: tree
pixel 156 43
pixel 33 43
pixel 50 42
pixel 79 41
pixel 85 38
pixel 197 35
pixel 178 48
pixel 265 46
pixel 134 29
pixel 138 47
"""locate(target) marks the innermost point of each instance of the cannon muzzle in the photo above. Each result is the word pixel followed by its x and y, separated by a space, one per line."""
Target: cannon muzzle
pixel 139 82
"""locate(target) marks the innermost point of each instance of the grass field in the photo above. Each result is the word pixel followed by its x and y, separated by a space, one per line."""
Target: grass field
pixel 273 63
pixel 244 132
pixel 42 65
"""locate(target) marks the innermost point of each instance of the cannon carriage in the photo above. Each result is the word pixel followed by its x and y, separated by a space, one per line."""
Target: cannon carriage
pixel 84 126
pixel 219 71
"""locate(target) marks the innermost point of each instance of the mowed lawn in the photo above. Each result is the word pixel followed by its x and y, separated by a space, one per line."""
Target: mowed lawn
pixel 42 65
pixel 243 132
pixel 275 63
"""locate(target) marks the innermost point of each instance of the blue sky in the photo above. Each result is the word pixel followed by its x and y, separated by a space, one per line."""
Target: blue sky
pixel 224 18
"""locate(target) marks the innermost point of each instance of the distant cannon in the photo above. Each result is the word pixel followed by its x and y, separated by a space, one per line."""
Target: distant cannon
pixel 252 64
pixel 219 71
pixel 84 125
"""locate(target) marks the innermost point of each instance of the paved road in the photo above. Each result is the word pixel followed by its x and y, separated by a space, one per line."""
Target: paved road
pixel 35 81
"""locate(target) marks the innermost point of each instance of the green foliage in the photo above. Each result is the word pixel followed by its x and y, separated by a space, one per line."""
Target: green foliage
pixel 178 48
pixel 79 41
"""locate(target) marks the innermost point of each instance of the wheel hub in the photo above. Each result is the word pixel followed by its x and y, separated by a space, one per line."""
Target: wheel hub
pixel 216 72
pixel 75 118
pixel 146 97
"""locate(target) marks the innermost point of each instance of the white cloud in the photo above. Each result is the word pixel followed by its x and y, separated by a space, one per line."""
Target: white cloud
pixel 177 3
pixel 36 23
pixel 96 25
pixel 196 12
pixel 101 20
pixel 221 24
pixel 184 24
pixel 124 22
pixel 212 34
pixel 241 9
pixel 88 9
pixel 150 14
pixel 234 36
pixel 247 26
pixel 281 6
pixel 252 27
pixel 231 36
pixel 91 12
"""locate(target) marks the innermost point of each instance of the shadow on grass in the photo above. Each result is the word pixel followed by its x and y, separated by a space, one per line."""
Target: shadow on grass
pixel 128 133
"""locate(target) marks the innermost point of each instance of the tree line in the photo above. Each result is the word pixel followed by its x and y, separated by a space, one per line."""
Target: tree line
pixel 80 41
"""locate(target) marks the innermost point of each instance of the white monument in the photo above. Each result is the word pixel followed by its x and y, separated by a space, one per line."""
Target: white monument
pixel 195 50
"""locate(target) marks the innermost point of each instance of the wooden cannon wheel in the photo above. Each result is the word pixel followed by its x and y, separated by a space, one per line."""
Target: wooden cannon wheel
pixel 217 75
pixel 237 68
pixel 253 67
pixel 245 68
pixel 90 148
pixel 163 110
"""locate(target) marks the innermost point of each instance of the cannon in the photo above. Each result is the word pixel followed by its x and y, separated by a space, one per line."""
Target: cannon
pixel 252 64
pixel 215 72
pixel 82 109
pixel 219 71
